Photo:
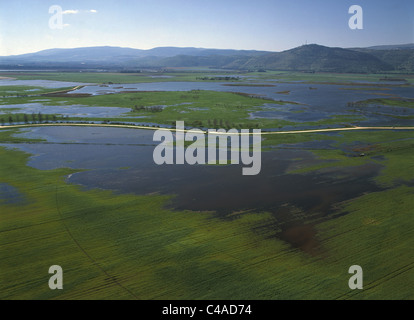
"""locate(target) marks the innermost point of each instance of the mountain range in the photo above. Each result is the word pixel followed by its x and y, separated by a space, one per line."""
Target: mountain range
pixel 306 58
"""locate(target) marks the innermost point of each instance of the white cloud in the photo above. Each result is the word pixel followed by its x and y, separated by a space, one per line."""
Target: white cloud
pixel 66 25
pixel 70 12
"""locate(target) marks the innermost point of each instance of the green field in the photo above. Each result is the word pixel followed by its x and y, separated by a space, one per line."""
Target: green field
pixel 394 102
pixel 197 108
pixel 325 77
pixel 22 91
pixel 396 147
pixel 125 246
pixel 130 247
pixel 199 75
pixel 96 77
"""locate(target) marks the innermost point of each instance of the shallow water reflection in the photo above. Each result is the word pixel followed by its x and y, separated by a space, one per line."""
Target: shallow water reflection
pixel 121 160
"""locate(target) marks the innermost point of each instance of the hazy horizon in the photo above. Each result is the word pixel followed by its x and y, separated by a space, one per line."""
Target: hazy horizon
pixel 108 46
pixel 264 25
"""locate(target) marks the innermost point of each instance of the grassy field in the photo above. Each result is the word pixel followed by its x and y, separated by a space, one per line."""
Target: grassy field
pixel 394 102
pixel 130 247
pixel 394 150
pixel 199 75
pixel 197 108
pixel 324 77
pixel 212 108
pixel 96 77
pixel 16 91
pixel 125 246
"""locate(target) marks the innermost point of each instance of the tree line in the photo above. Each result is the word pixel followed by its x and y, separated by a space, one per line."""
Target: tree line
pixel 28 118
pixel 220 124
pixel 150 109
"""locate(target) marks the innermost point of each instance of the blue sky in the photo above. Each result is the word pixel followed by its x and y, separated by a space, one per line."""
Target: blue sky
pixel 227 24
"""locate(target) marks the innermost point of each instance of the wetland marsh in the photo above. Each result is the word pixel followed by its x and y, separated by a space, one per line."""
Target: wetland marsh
pixel 321 203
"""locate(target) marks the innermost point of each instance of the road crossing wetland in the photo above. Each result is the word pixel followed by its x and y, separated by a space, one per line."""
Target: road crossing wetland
pixel 80 186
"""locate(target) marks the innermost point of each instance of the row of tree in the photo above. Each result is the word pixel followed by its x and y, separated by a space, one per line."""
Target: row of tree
pixel 17 96
pixel 150 109
pixel 225 78
pixel 217 124
pixel 33 118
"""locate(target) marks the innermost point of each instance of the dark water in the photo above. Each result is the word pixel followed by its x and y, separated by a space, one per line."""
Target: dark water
pixel 122 160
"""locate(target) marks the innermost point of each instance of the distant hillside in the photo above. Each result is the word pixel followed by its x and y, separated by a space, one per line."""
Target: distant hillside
pixel 393 47
pixel 309 58
pixel 116 55
pixel 319 58
pixel 401 58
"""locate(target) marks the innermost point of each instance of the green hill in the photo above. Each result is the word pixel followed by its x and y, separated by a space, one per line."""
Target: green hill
pixel 400 59
pixel 319 59
pixel 307 58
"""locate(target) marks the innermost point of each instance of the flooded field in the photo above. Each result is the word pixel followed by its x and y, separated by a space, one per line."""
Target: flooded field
pixel 10 195
pixel 311 102
pixel 121 160
pixel 38 83
pixel 93 200
pixel 71 111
